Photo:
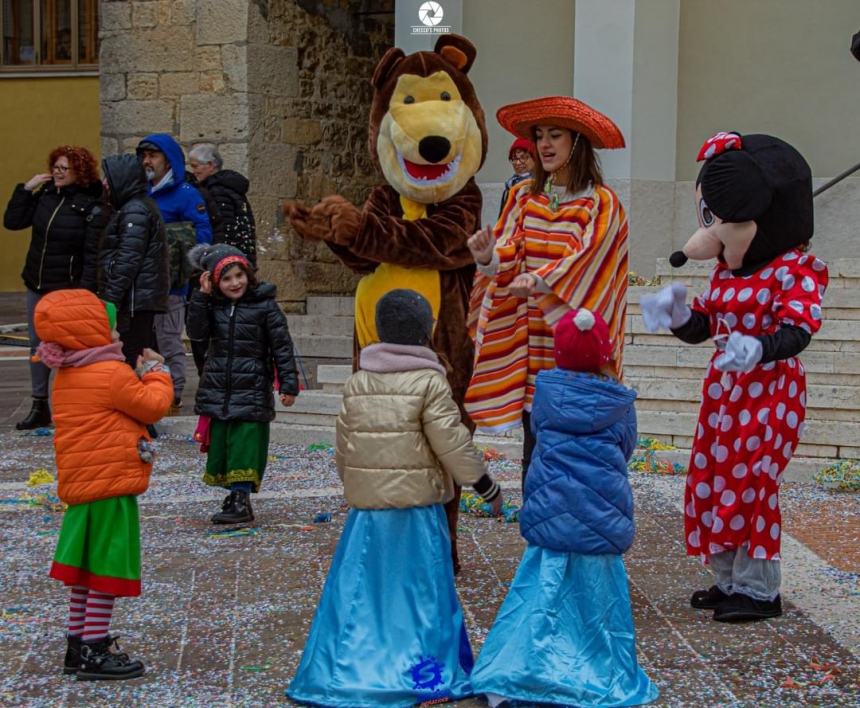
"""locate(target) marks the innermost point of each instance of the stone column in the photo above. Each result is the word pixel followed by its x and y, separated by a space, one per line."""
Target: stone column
pixel 418 23
pixel 626 65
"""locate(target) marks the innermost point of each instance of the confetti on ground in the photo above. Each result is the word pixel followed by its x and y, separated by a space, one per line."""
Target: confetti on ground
pixel 653 444
pixel 471 503
pixel 256 667
pixel 647 461
pixel 232 533
pixel 319 447
pixel 491 454
pixel 39 432
pixel 634 279
pixel 844 476
pixel 39 477
pixel 224 619
pixel 46 501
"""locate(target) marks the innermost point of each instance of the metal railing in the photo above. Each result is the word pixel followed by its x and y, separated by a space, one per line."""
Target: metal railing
pixel 838 178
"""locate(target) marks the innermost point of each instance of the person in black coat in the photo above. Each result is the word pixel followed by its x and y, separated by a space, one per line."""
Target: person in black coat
pixel 248 341
pixel 225 192
pixel 63 207
pixel 133 262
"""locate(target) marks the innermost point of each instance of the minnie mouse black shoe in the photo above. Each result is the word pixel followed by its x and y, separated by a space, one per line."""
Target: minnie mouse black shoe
pixel 742 608
pixel 707 599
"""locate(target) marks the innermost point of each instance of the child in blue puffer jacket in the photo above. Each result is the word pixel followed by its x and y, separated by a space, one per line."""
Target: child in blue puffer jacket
pixel 565 631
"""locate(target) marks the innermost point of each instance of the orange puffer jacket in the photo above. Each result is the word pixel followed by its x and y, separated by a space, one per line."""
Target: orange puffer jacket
pixel 100 409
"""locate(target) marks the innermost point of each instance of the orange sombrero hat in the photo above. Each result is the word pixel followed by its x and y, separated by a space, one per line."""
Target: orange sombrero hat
pixel 565 112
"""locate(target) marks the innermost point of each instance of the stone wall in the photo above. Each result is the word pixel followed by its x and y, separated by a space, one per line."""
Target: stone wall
pixel 315 136
pixel 281 86
pixel 174 66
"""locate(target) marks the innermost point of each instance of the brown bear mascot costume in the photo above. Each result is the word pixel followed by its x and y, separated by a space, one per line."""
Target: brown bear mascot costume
pixel 429 138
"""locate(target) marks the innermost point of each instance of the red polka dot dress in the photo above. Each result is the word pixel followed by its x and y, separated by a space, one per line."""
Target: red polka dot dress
pixel 750 422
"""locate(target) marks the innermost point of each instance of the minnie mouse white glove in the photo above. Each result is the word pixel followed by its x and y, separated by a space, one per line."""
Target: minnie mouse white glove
pixel 666 309
pixel 742 353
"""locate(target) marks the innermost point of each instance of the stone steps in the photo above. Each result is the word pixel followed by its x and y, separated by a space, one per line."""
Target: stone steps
pixel 666 373
pixel 320 325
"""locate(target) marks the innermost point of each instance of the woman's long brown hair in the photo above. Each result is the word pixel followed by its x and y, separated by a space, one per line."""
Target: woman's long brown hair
pixel 584 167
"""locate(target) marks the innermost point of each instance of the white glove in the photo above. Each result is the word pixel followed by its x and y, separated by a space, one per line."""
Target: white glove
pixel 666 309
pixel 742 353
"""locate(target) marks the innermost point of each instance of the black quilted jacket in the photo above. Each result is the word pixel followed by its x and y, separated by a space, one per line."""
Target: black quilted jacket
pixel 248 341
pixel 133 267
pixel 67 224
pixel 228 191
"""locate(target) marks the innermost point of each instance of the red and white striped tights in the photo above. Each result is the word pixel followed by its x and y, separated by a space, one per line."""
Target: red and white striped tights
pixel 89 613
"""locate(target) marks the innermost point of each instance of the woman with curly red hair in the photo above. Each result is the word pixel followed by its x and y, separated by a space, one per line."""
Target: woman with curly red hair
pixel 63 208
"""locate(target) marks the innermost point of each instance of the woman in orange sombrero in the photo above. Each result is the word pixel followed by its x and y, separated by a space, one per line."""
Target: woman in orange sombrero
pixel 560 244
pixel 554 264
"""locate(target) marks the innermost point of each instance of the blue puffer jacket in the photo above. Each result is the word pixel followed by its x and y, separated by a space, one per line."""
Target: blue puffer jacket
pixel 577 497
pixel 179 200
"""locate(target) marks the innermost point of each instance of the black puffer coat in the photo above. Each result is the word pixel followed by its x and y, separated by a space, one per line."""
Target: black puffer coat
pixel 67 224
pixel 133 267
pixel 248 340
pixel 228 190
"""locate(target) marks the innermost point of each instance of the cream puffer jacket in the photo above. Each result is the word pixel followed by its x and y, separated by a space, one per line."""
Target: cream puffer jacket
pixel 400 440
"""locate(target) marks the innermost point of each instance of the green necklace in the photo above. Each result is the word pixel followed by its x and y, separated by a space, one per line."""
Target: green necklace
pixel 551 194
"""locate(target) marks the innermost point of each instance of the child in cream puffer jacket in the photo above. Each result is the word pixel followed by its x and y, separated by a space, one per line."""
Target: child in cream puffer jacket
pixel 390 588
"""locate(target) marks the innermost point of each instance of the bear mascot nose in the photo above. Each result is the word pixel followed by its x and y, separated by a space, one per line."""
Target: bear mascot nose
pixel 434 148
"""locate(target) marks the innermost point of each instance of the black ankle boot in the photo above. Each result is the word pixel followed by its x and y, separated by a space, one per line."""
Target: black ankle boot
pixel 38 417
pixel 99 663
pixel 226 508
pixel 72 662
pixel 239 512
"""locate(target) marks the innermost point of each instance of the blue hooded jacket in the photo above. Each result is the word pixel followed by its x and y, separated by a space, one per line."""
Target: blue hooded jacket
pixel 179 200
pixel 577 496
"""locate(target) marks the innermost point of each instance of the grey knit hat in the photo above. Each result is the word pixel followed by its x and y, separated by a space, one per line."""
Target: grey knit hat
pixel 207 256
pixel 404 317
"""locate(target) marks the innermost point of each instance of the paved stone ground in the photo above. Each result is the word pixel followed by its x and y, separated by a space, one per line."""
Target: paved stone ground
pixel 223 619
pixel 13 308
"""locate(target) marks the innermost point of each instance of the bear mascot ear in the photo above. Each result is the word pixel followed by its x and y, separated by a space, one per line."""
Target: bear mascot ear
pixel 457 51
pixel 386 66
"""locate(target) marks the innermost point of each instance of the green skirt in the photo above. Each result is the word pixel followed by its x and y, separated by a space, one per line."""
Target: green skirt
pixel 99 547
pixel 238 452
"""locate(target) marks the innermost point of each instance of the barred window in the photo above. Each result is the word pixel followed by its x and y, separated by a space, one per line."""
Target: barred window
pixel 49 35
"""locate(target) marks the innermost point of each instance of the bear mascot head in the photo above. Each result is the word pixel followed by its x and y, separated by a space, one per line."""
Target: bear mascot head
pixel 427 129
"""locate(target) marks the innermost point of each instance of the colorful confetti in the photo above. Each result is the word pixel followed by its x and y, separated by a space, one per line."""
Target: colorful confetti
pixel 844 476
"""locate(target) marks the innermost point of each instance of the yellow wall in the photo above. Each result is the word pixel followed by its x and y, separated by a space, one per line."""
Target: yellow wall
pixel 770 66
pixel 38 115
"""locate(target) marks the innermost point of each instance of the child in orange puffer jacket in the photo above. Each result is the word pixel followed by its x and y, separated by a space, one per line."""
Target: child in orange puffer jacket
pixel 104 458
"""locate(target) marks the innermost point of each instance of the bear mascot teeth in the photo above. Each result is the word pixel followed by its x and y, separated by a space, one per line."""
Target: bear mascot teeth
pixel 428 136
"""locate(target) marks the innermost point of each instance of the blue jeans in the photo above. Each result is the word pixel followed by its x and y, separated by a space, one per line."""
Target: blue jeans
pixel 40 375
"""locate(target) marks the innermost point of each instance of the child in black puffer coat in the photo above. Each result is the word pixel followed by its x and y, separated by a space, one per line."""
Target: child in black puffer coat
pixel 248 340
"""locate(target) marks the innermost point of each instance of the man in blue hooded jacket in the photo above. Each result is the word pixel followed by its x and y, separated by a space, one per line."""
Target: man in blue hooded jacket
pixel 178 201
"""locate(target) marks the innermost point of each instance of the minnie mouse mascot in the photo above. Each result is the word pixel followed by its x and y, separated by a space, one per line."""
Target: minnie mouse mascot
pixel 754 203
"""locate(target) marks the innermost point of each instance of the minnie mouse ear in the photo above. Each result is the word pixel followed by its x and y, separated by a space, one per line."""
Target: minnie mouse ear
pixel 734 186
pixel 855 46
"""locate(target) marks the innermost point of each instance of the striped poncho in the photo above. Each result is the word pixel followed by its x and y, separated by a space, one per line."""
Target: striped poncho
pixel 579 252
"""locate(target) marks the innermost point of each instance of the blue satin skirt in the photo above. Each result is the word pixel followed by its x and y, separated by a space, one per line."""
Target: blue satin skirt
pixel 564 635
pixel 388 630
